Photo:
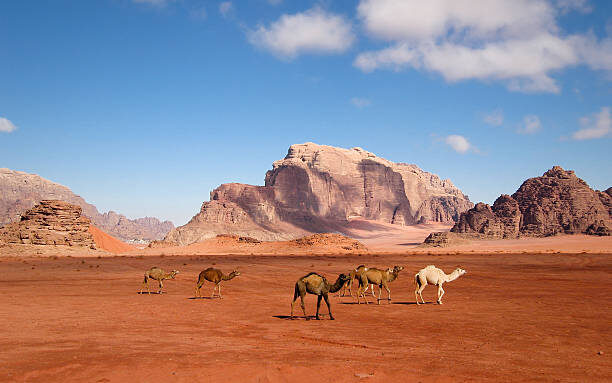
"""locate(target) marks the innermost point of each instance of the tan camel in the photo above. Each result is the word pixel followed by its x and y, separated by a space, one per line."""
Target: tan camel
pixel 316 284
pixel 434 276
pixel 354 274
pixel 215 276
pixel 380 278
pixel 159 275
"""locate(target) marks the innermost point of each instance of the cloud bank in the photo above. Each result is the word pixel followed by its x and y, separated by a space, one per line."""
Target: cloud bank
pixel 312 31
pixel 516 42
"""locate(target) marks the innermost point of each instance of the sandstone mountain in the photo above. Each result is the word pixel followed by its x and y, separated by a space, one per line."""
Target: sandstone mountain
pixel 557 202
pixel 20 191
pixel 51 222
pixel 318 188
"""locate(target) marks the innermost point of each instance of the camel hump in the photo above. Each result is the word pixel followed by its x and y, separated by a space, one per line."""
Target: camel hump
pixel 313 273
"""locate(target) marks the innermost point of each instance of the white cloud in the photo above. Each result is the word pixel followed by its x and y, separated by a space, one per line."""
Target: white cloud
pixel 596 126
pixel 459 144
pixel 531 124
pixel 225 8
pixel 495 118
pixel 516 42
pixel 6 126
pixel 313 31
pixel 360 102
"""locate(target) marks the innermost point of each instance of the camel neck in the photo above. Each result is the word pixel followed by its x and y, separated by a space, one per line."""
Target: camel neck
pixel 452 276
pixel 336 286
pixel 227 277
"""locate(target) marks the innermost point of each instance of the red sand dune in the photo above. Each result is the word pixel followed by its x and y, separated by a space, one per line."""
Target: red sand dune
pixel 108 242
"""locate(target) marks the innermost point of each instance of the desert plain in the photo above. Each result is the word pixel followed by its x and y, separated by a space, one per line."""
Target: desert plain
pixel 525 311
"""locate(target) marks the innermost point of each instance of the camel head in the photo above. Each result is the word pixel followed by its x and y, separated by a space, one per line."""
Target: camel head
pixel 235 272
pixel 344 277
pixel 460 271
pixel 397 269
pixel 173 273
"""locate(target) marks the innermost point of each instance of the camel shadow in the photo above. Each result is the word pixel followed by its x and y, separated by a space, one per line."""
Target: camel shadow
pixel 210 298
pixel 147 293
pixel 412 303
pixel 300 317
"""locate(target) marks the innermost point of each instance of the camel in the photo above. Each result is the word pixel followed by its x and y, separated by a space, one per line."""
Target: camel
pixel 316 284
pixel 434 276
pixel 159 275
pixel 380 278
pixel 353 274
pixel 215 276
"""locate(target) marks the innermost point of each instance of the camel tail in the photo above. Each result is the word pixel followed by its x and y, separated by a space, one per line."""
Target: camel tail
pixel 145 278
pixel 417 280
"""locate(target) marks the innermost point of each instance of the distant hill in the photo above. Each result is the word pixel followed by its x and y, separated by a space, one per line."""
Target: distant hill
pixel 558 202
pixel 319 188
pixel 20 191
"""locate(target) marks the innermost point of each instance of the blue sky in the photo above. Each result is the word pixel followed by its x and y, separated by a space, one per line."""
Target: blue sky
pixel 144 107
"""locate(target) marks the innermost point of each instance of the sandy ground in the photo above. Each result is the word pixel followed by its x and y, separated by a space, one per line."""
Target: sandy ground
pixel 521 317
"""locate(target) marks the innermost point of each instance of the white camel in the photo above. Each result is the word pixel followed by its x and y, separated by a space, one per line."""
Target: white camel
pixel 434 276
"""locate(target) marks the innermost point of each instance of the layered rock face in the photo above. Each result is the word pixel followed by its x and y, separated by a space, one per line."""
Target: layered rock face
pixel 20 191
pixel 51 222
pixel 318 188
pixel 557 202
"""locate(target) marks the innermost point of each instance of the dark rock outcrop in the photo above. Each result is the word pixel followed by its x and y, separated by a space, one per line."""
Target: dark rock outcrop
pixel 318 188
pixel 51 222
pixel 557 202
pixel 20 191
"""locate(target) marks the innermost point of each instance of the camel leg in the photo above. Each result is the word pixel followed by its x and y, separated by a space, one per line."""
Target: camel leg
pixel 373 293
pixel 213 292
pixel 295 297
pixel 303 306
pixel 220 297
pixel 318 306
pixel 198 287
pixel 440 294
pixel 388 293
pixel 379 293
pixel 419 290
pixel 331 317
pixel 161 286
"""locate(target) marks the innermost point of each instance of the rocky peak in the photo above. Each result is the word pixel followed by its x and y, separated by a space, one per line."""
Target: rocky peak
pixel 556 202
pixel 20 191
pixel 318 188
pixel 51 222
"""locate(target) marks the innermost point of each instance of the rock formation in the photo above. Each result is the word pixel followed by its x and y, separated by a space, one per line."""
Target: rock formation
pixel 318 188
pixel 51 222
pixel 20 191
pixel 557 202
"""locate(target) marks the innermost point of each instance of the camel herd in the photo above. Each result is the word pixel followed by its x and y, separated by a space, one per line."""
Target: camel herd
pixel 316 284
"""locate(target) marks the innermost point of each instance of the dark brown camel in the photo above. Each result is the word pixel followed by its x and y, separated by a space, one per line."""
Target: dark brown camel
pixel 215 276
pixel 316 284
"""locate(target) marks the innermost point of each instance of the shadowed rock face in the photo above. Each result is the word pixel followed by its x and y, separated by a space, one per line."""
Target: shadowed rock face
pixel 557 202
pixel 51 222
pixel 318 188
pixel 20 191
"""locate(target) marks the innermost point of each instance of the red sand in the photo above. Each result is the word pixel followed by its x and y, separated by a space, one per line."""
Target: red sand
pixel 109 243
pixel 511 318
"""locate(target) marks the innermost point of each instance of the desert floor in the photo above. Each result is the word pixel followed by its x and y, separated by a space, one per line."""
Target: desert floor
pixel 525 317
